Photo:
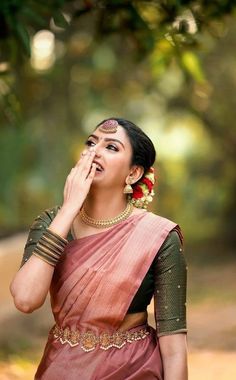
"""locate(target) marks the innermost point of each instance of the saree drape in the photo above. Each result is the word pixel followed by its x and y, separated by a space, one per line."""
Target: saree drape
pixel 92 288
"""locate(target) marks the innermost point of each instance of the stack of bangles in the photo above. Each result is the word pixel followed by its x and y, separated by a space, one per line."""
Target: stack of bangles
pixel 50 247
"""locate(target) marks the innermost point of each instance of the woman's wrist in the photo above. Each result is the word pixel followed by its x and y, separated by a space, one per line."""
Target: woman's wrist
pixel 62 222
pixel 69 212
pixel 50 247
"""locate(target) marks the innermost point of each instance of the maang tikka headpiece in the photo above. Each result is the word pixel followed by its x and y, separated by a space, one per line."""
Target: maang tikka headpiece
pixel 109 126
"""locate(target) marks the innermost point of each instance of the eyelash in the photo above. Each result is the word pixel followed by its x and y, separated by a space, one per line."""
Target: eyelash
pixel 89 143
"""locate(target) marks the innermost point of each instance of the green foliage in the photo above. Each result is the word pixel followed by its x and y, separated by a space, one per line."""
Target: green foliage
pixel 145 28
pixel 146 60
pixel 59 19
pixel 192 64
pixel 19 19
pixel 143 21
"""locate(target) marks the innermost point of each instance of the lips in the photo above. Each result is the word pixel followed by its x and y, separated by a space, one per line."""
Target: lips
pixel 99 166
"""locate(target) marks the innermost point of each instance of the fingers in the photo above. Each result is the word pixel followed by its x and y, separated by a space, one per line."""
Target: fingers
pixel 81 175
pixel 85 156
pixel 86 162
pixel 71 174
pixel 83 167
pixel 92 172
pixel 82 156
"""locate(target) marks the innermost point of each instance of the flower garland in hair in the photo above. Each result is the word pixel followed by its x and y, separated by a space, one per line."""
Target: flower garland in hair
pixel 143 190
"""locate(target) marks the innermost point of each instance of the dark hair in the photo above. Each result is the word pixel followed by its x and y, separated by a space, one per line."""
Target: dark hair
pixel 144 153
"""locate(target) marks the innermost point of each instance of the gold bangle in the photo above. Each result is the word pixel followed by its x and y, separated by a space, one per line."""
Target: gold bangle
pixel 54 240
pixel 48 251
pixel 57 245
pixel 63 240
pixel 46 255
pixel 44 259
pixel 48 245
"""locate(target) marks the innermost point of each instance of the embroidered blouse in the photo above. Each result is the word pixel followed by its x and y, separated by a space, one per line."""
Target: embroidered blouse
pixel 165 280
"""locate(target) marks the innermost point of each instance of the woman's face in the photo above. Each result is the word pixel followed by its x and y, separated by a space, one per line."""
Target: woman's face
pixel 113 156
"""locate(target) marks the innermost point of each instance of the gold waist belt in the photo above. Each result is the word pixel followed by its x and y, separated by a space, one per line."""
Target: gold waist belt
pixel 88 340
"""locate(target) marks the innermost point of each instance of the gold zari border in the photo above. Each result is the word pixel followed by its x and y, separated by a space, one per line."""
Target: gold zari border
pixel 88 340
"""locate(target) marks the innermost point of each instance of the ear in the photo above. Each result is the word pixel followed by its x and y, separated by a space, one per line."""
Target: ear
pixel 135 174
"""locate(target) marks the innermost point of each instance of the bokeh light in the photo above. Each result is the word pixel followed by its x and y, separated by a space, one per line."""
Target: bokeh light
pixel 43 50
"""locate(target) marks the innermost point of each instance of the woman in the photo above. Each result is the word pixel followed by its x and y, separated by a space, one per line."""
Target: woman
pixel 103 257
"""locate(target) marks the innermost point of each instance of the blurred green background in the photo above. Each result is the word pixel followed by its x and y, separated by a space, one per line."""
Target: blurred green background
pixel 168 66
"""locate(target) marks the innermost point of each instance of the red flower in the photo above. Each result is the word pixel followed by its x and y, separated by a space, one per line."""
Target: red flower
pixel 148 183
pixel 137 192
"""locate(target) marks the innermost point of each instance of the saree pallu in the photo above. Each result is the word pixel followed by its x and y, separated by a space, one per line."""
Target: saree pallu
pixel 91 290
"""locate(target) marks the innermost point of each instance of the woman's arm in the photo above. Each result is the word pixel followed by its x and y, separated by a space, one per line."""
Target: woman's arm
pixel 170 306
pixel 31 283
pixel 174 356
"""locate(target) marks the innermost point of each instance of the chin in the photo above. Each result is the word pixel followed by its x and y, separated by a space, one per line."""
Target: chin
pixel 97 181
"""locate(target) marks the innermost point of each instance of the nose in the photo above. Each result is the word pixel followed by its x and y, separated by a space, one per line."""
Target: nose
pixel 97 150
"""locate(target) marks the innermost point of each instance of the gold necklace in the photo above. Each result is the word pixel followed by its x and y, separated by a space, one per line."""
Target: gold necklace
pixel 105 223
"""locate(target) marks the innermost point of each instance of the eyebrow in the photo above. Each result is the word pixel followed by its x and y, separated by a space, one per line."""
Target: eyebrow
pixel 107 139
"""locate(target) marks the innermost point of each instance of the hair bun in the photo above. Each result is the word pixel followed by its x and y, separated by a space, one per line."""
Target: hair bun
pixel 143 190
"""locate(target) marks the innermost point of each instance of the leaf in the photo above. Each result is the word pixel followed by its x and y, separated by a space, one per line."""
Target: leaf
pixel 60 20
pixel 24 37
pixel 192 64
pixel 33 16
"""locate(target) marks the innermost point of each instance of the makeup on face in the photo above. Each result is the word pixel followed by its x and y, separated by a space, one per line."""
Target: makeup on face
pixel 106 139
pixel 112 151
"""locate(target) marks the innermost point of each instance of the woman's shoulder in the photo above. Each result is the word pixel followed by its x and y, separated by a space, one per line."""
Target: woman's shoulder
pixel 175 231
pixel 159 218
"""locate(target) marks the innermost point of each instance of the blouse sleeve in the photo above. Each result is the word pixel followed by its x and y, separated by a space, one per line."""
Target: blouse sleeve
pixel 36 230
pixel 170 272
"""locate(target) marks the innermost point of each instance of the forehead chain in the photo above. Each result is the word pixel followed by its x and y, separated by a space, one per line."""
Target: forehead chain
pixel 109 126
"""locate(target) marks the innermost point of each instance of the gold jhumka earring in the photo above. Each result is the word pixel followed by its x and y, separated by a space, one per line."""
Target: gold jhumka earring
pixel 128 188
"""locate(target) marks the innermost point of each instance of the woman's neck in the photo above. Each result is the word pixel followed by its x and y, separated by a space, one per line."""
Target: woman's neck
pixel 105 206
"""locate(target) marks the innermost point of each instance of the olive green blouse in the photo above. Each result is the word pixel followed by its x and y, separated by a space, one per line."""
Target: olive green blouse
pixel 165 280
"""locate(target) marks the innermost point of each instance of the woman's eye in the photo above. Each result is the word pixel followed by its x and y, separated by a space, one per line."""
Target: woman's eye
pixel 113 147
pixel 89 143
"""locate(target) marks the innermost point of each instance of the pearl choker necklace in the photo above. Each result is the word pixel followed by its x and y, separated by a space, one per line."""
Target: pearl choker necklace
pixel 105 223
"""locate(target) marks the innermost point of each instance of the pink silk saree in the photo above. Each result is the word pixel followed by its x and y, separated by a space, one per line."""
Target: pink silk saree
pixel 92 288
